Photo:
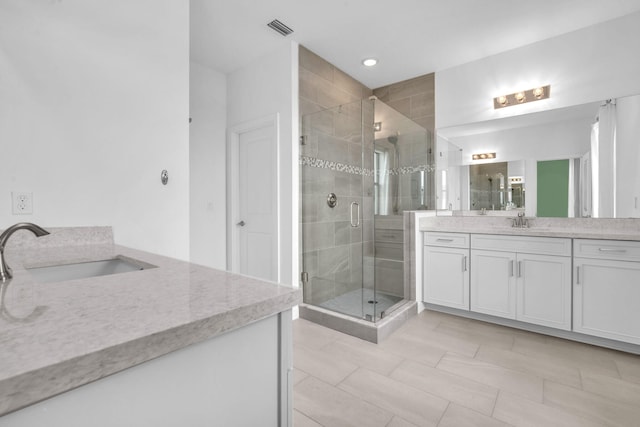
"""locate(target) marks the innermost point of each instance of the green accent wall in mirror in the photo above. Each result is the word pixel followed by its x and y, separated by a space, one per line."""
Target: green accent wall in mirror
pixel 553 188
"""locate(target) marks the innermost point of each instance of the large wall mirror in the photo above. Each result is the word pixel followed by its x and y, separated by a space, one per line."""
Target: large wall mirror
pixel 579 161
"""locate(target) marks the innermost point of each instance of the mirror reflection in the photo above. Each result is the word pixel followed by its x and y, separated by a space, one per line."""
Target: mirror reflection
pixel 496 186
pixel 402 163
pixel 579 161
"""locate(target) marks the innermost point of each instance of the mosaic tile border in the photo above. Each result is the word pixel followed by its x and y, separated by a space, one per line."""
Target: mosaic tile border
pixel 314 162
pixel 411 169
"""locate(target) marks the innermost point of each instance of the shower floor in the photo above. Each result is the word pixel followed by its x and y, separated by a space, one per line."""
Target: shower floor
pixel 360 303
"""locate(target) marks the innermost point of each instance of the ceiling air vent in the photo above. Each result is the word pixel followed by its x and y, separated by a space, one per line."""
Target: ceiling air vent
pixel 279 27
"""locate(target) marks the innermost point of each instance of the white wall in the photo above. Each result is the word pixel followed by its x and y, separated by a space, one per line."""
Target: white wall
pixel 628 157
pixel 207 148
pixel 94 105
pixel 587 65
pixel 265 88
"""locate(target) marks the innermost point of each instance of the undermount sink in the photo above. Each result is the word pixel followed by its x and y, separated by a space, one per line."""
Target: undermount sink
pixel 84 270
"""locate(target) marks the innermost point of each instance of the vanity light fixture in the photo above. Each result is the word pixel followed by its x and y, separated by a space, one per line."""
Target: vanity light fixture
pixel 522 97
pixel 483 156
pixel 377 126
pixel 369 62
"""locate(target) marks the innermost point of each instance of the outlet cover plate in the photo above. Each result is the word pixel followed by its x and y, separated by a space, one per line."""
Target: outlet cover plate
pixel 22 202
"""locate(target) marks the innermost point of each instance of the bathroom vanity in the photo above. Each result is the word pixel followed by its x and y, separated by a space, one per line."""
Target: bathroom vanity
pixel 573 278
pixel 172 343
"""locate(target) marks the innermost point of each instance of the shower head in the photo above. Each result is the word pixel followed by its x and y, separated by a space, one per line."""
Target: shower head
pixel 393 139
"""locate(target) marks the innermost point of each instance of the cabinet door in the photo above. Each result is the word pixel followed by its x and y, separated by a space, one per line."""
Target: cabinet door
pixel 493 283
pixel 606 299
pixel 544 290
pixel 446 277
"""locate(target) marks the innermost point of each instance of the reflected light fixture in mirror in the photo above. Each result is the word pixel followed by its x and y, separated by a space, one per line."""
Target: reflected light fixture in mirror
pixel 483 156
pixel 522 97
pixel 377 126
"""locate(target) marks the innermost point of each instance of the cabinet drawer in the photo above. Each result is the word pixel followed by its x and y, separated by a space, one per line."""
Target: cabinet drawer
pixel 606 249
pixel 390 236
pixel 529 245
pixel 450 240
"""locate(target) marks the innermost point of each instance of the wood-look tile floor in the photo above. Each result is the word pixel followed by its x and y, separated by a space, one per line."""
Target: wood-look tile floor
pixel 446 371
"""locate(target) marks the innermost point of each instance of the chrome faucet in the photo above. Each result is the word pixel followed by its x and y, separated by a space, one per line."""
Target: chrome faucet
pixel 520 221
pixel 5 271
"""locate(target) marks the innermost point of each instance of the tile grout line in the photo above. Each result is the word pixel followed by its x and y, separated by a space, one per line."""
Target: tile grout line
pixel 310 417
pixel 495 403
pixel 444 412
pixel 405 385
pixel 395 368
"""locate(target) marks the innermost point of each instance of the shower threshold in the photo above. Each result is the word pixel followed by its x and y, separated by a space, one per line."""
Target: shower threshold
pixel 363 303
pixel 367 330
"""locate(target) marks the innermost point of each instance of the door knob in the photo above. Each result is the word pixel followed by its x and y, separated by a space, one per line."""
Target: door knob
pixel 241 223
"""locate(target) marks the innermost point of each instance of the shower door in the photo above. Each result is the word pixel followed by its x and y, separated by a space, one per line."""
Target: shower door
pixel 336 172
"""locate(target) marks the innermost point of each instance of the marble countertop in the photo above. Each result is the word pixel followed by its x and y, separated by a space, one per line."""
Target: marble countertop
pixel 58 336
pixel 574 228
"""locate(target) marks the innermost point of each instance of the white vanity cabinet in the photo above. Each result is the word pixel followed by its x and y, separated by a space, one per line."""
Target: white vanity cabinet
pixel 446 269
pixel 522 278
pixel 606 289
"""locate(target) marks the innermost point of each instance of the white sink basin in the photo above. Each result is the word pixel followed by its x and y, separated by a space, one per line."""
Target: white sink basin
pixel 83 270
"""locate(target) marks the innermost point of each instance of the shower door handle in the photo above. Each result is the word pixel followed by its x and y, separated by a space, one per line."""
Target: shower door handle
pixel 357 221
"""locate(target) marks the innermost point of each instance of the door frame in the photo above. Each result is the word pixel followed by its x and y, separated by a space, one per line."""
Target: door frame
pixel 233 189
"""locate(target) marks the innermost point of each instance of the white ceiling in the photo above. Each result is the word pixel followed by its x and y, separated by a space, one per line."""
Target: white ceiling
pixel 409 37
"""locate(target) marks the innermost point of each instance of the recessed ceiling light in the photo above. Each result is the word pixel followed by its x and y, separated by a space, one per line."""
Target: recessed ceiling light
pixel 369 62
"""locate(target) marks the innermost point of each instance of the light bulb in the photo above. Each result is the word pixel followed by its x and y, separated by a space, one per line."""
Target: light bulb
pixel 538 92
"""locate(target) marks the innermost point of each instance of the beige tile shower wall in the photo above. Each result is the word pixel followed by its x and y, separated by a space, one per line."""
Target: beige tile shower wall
pixel 415 98
pixel 322 85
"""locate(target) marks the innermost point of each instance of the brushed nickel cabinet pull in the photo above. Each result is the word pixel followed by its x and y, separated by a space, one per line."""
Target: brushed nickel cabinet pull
pixel 618 251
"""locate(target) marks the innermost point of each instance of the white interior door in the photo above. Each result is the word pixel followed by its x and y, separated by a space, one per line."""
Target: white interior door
pixel 255 214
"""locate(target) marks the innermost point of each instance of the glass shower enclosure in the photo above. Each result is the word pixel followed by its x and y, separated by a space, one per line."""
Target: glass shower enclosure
pixel 362 164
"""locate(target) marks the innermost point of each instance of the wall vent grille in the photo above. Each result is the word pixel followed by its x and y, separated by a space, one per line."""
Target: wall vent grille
pixel 279 27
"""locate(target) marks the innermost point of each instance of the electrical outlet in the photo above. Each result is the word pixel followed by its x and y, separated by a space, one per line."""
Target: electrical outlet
pixel 22 202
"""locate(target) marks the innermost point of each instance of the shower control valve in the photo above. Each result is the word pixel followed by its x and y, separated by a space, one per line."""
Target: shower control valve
pixel 332 200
